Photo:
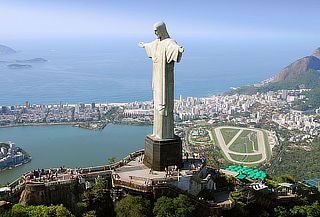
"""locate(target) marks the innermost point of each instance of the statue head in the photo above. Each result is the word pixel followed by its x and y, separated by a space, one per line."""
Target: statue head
pixel 160 30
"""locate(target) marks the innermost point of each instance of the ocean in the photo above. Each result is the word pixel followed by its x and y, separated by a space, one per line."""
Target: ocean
pixel 117 70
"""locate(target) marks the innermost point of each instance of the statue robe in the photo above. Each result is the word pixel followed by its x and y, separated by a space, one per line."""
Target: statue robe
pixel 163 53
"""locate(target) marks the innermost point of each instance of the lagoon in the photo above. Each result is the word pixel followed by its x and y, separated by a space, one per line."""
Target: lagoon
pixel 64 145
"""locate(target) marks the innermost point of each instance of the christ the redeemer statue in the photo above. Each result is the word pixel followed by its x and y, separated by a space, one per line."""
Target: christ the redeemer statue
pixel 164 52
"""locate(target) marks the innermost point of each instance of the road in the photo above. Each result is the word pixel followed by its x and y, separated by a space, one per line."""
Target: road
pixel 225 147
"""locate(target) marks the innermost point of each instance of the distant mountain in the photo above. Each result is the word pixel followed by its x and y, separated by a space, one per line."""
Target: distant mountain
pixel 316 53
pixel 18 66
pixel 303 73
pixel 299 67
pixel 6 50
pixel 34 60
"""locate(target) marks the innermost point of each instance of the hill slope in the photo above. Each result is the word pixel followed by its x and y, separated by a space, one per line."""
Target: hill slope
pixel 303 73
pixel 6 50
pixel 297 68
pixel 309 79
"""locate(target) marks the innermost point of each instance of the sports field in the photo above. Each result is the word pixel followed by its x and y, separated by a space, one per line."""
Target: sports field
pixel 242 145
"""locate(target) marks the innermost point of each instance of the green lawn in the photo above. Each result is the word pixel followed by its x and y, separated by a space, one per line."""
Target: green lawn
pixel 245 142
pixel 237 157
pixel 266 141
pixel 246 158
pixel 255 140
pixel 252 144
pixel 213 136
pixel 228 134
pixel 253 158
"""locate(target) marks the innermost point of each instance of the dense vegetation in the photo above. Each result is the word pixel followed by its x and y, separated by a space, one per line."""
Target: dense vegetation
pixel 136 206
pixel 310 79
pixel 298 162
pixel 19 210
pixel 96 201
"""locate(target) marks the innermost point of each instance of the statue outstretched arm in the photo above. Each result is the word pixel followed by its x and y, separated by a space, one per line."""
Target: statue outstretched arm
pixel 150 48
pixel 141 44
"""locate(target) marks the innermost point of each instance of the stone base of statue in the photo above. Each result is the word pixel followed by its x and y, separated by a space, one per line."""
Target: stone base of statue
pixel 161 153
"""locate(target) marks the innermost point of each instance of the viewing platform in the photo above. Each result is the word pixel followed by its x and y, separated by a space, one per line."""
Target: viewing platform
pixel 128 174
pixel 137 176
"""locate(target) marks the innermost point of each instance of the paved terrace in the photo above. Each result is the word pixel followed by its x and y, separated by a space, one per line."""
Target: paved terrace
pixel 135 172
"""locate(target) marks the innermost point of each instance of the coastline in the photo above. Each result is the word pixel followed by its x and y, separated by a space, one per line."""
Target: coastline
pixel 80 124
pixel 28 160
pixel 44 124
pixel 11 156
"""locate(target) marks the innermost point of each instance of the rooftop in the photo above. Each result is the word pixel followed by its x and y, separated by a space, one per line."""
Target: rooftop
pixel 244 172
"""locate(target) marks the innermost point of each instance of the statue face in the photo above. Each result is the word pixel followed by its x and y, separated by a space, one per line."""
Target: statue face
pixel 157 34
pixel 160 30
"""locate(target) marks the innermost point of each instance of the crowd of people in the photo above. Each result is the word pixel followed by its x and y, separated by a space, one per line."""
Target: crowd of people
pixel 62 173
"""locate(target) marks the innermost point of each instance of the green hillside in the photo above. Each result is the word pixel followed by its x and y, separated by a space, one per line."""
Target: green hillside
pixel 309 80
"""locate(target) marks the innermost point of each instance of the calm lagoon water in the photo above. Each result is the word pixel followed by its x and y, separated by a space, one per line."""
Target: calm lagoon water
pixel 54 146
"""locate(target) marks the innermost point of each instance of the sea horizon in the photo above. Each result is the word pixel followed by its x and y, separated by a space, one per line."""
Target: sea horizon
pixel 118 71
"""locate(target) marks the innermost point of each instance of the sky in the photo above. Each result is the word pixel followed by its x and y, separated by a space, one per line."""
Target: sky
pixel 188 19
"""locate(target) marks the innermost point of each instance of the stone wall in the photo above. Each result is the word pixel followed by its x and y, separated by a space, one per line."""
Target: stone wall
pixel 41 194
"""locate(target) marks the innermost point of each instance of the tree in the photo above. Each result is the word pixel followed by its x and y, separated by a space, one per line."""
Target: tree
pixel 207 194
pixel 111 160
pixel 91 213
pixel 312 210
pixel 97 199
pixel 177 207
pixel 183 206
pixel 133 206
pixel 306 210
pixel 281 211
pixel 287 178
pixel 271 183
pixel 164 207
pixel 19 210
pixel 240 204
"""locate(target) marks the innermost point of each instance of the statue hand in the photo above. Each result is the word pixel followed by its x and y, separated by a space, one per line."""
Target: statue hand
pixel 141 44
pixel 181 49
pixel 162 110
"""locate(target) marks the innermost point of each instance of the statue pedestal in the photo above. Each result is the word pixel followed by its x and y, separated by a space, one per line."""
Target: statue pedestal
pixel 161 153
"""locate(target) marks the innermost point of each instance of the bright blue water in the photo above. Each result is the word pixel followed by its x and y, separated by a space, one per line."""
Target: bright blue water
pixel 100 70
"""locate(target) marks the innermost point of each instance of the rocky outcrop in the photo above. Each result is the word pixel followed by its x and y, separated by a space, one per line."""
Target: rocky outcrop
pixel 6 50
pixel 40 194
pixel 298 67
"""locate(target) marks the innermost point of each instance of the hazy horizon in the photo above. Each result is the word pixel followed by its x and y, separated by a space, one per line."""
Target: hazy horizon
pixel 205 19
